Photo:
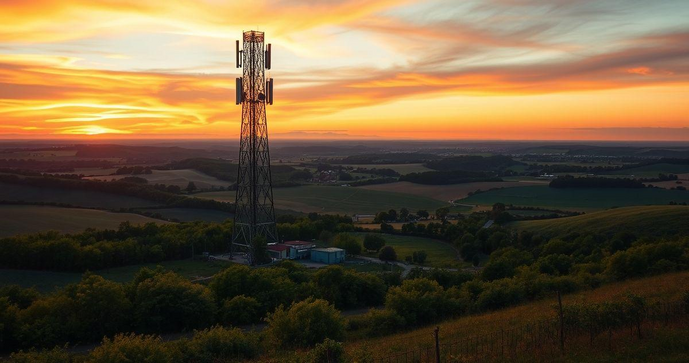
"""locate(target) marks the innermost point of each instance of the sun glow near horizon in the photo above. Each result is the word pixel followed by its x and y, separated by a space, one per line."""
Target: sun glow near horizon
pixel 390 69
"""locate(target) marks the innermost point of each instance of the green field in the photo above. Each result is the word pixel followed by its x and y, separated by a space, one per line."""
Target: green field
pixel 584 199
pixel 24 219
pixel 336 199
pixel 81 198
pixel 47 281
pixel 180 178
pixel 440 254
pixel 192 214
pixel 648 220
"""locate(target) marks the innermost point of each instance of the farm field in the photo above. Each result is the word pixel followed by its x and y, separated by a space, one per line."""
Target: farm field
pixel 47 281
pixel 192 214
pixel 81 198
pixel 581 199
pixel 663 287
pixel 181 178
pixel 400 168
pixel 649 171
pixel 336 199
pixel 446 192
pixel 440 254
pixel 23 219
pixel 646 220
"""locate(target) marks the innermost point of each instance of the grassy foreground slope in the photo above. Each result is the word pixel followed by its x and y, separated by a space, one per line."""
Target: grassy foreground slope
pixel 647 220
pixel 25 219
pixel 657 288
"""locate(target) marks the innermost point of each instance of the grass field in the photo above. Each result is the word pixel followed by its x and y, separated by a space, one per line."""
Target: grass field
pixel 81 198
pixel 47 281
pixel 646 220
pixel 192 214
pixel 180 178
pixel 400 168
pixel 663 287
pixel 23 219
pixel 584 199
pixel 446 192
pixel 440 254
pixel 336 199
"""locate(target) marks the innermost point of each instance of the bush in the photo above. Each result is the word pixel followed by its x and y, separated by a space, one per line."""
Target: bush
pixel 373 242
pixel 305 324
pixel 134 348
pixel 329 351
pixel 220 344
pixel 169 302
pixel 47 356
pixel 240 310
pixel 417 301
pixel 500 294
pixel 387 253
pixel 419 257
pixel 349 289
pixel 378 322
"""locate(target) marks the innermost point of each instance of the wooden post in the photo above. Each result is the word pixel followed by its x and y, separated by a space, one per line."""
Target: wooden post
pixel 562 323
pixel 437 344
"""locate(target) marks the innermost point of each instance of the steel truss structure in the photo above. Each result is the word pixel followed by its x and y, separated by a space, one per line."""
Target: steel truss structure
pixel 255 211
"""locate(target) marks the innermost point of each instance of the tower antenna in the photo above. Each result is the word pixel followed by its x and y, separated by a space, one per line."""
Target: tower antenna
pixel 255 210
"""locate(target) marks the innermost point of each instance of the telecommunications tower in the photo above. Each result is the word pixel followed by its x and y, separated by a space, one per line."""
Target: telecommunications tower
pixel 255 213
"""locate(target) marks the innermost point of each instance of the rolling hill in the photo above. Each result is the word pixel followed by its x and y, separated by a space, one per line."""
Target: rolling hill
pixel 647 220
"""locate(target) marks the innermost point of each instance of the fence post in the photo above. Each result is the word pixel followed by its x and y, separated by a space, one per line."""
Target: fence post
pixel 437 344
pixel 502 343
pixel 562 323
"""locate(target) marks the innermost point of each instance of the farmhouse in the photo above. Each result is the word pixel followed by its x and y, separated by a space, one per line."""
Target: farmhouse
pixel 300 249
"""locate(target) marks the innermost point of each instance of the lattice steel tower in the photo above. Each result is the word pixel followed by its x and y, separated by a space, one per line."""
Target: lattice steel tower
pixel 255 213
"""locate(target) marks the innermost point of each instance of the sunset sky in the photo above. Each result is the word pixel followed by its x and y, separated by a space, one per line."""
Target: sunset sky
pixel 357 69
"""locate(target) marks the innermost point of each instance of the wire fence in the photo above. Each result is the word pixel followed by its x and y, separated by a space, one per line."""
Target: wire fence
pixel 542 339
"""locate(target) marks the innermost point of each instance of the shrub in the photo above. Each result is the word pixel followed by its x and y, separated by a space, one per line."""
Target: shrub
pixel 387 253
pixel 134 348
pixel 240 310
pixel 220 344
pixel 417 301
pixel 305 323
pixel 56 354
pixel 378 322
pixel 419 257
pixel 169 302
pixel 349 289
pixel 373 242
pixel 499 294
pixel 329 351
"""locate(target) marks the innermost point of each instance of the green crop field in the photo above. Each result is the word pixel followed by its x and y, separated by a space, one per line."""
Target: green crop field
pixel 440 254
pixel 47 281
pixel 584 199
pixel 81 198
pixel 447 192
pixel 23 219
pixel 647 220
pixel 192 214
pixel 336 199
pixel 180 178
